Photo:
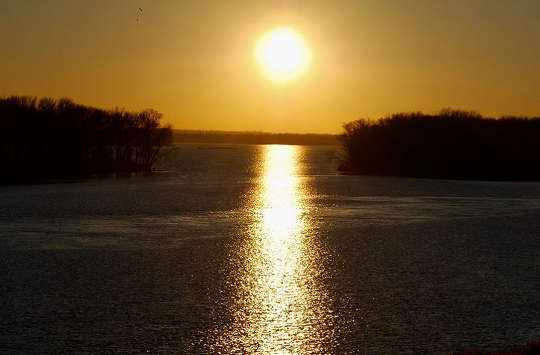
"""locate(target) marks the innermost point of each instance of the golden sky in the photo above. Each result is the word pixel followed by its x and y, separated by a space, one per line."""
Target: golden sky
pixel 194 60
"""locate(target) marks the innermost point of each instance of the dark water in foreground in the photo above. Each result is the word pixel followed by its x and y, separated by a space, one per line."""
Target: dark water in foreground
pixel 264 249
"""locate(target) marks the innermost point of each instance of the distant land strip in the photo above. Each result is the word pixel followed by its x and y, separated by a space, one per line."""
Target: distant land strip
pixel 233 137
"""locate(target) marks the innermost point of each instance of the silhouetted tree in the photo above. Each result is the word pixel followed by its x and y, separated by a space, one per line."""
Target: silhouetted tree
pixel 451 144
pixel 48 138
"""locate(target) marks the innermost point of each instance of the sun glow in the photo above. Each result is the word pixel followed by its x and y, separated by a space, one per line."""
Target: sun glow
pixel 282 54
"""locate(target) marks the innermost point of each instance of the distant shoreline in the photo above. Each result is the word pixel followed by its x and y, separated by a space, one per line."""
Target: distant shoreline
pixel 236 137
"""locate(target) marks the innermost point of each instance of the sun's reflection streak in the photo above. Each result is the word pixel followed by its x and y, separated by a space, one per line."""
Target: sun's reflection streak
pixel 275 301
pixel 279 238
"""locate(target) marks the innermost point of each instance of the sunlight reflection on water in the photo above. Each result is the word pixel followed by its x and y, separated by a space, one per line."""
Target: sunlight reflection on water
pixel 277 263
pixel 279 306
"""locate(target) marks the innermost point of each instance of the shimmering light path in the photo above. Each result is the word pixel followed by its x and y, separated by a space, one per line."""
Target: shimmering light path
pixel 278 236
pixel 279 306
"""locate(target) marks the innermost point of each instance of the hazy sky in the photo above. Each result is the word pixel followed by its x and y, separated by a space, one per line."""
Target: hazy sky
pixel 194 61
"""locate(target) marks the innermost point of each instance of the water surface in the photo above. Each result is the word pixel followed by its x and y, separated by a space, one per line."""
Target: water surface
pixel 265 249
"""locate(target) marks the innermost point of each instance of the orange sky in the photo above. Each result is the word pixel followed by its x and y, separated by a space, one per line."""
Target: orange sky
pixel 193 60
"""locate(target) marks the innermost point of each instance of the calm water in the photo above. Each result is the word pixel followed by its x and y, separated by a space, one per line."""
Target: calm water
pixel 265 249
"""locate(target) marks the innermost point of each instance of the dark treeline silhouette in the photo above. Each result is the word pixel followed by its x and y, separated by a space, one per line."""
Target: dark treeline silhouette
pixel 188 136
pixel 59 138
pixel 451 144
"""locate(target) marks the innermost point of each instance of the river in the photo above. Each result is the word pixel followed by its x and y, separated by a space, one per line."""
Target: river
pixel 267 249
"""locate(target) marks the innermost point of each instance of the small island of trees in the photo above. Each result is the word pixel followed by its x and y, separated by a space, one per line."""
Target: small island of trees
pixel 452 144
pixel 50 138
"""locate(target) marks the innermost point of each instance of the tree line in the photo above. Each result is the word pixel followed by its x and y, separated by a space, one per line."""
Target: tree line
pixel 450 144
pixel 60 138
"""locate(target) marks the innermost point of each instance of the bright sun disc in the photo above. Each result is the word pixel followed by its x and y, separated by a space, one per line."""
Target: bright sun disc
pixel 282 54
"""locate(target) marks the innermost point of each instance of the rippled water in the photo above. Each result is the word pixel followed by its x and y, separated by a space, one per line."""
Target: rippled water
pixel 265 249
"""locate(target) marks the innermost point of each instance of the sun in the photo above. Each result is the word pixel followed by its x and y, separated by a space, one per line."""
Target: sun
pixel 282 54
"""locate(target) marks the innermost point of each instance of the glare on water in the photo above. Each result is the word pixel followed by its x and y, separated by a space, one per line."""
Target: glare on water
pixel 279 307
pixel 278 239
